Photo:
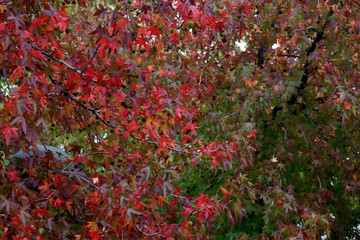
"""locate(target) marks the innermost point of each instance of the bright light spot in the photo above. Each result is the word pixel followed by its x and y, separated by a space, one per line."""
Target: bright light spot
pixel 242 44
pixel 276 45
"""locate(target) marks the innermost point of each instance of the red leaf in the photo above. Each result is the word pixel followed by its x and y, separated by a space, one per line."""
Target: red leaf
pixel 78 159
pixel 13 176
pixel 141 42
pixel 45 187
pixel 94 235
pixel 58 203
pixel 248 8
pixel 10 133
pixel 225 192
pixel 195 11
pixel 133 126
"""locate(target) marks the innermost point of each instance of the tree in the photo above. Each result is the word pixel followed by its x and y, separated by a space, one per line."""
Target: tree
pixel 192 119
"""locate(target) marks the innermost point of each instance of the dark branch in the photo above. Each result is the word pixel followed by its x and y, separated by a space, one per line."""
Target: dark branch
pixel 305 68
pixel 261 56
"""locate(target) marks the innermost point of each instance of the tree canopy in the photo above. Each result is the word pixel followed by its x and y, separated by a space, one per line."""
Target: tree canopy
pixel 191 119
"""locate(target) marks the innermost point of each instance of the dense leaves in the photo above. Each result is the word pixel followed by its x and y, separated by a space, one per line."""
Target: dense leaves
pixel 183 119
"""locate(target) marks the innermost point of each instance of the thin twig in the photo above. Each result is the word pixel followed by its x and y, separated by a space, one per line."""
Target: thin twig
pixel 92 58
pixel 307 28
pixel 94 153
pixel 43 199
pixel 222 119
pixel 270 177
pixel 146 234
pixel 290 55
pixel 58 60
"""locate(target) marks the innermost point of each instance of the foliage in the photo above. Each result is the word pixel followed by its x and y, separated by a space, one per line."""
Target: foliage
pixel 192 119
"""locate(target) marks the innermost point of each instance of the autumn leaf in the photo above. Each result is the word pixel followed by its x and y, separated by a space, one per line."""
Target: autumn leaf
pixel 248 8
pixel 13 176
pixel 44 187
pixel 10 133
pixel 94 235
pixel 225 192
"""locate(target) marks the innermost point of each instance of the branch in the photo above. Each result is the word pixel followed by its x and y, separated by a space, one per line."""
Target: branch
pixel 261 56
pixel 311 49
pixel 43 199
pixel 146 234
pixel 307 28
pixel 94 153
pixel 290 55
pixel 222 119
pixel 75 69
pixel 305 68
pixel 92 58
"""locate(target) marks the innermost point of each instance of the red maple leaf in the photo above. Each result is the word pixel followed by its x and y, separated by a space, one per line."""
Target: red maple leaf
pixel 10 133
pixel 57 203
pixel 248 8
pixel 154 30
pixel 141 41
pixel 202 201
pixel 13 176
pixel 94 235
pixel 174 37
pixel 195 11
pixel 45 187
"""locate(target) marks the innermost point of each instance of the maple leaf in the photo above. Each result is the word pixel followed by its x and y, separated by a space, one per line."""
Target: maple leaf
pixel 252 134
pixel 191 127
pixel 248 8
pixel 195 11
pixel 154 30
pixel 45 187
pixel 250 83
pixel 130 214
pixel 174 37
pixel 114 45
pixel 41 212
pixel 225 192
pixel 141 41
pixel 133 126
pixel 10 133
pixel 94 235
pixel 57 203
pixel 161 72
pixel 195 161
pixel 202 201
pixel 13 176
pixel 68 205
